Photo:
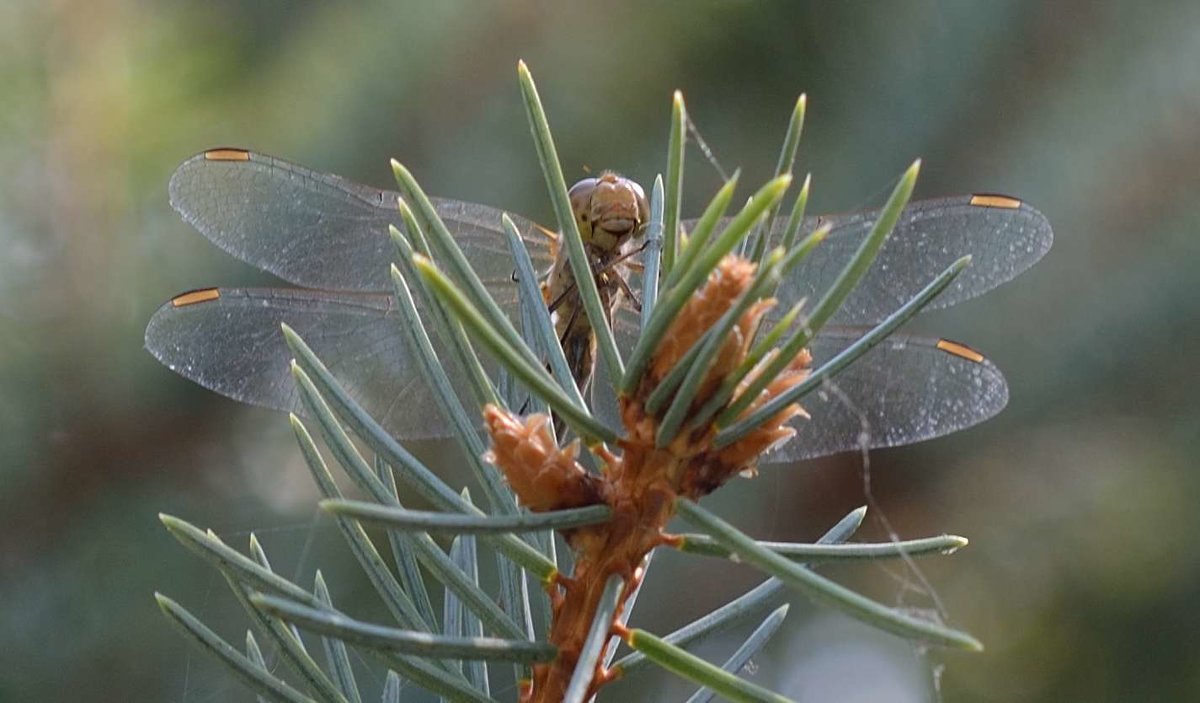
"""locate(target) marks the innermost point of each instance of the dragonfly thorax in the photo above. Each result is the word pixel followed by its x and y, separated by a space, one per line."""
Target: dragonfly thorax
pixel 609 210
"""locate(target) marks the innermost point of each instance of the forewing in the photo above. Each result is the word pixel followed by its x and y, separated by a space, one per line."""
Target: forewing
pixel 322 231
pixel 1003 235
pixel 229 341
pixel 905 390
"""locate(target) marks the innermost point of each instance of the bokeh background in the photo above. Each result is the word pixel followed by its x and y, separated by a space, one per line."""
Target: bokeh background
pixel 1082 576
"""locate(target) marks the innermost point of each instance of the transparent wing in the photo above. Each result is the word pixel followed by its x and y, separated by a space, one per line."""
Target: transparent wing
pixel 906 390
pixel 322 231
pixel 228 340
pixel 1003 235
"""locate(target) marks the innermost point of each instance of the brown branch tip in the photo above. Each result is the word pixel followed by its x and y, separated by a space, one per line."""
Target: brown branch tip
pixel 641 481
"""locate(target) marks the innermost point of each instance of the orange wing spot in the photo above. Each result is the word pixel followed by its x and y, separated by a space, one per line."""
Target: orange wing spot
pixel 227 155
pixel 960 350
pixel 203 295
pixel 551 236
pixel 1001 201
pixel 547 233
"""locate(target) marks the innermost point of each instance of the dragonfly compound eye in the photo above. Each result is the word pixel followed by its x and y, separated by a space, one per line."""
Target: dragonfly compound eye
pixel 643 208
pixel 581 198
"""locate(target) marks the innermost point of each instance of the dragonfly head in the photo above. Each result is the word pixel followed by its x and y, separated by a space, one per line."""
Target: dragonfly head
pixel 609 209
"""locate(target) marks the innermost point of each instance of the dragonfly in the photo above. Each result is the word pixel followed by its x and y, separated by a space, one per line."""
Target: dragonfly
pixel 612 212
pixel 327 237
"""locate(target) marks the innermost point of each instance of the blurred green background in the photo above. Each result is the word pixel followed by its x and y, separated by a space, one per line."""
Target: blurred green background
pixel 1081 577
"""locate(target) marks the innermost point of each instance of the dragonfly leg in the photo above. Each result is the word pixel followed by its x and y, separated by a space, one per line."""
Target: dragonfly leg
pixel 622 258
pixel 555 304
pixel 634 301
pixel 517 279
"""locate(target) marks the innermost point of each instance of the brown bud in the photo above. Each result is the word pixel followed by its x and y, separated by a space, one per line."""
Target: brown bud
pixel 742 455
pixel 543 476
pixel 731 278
